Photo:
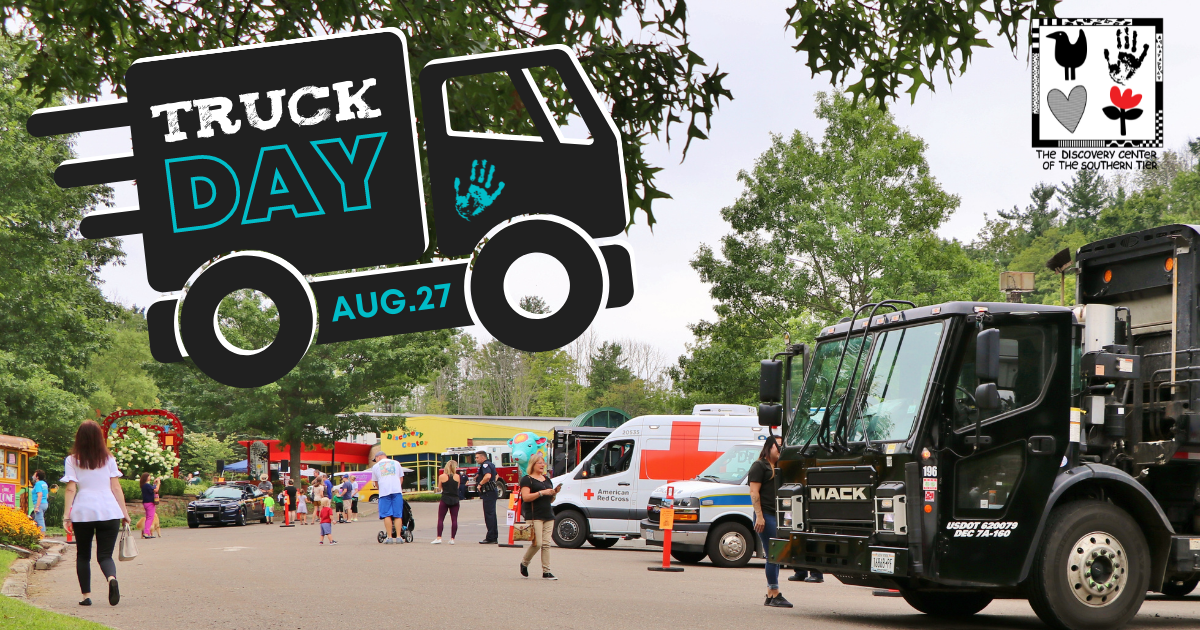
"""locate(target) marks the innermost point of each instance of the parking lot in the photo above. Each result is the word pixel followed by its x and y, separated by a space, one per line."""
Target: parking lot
pixel 260 577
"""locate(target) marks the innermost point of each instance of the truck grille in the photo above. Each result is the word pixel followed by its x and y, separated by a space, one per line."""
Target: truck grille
pixel 840 496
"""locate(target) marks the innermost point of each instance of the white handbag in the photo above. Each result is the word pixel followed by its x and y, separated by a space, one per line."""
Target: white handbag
pixel 126 547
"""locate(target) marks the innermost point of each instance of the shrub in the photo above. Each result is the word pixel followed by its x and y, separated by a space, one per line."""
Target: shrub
pixel 139 452
pixel 132 490
pixel 423 497
pixel 18 529
pixel 172 486
pixel 55 507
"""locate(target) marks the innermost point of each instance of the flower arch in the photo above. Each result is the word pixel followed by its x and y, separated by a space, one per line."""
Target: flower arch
pixel 169 433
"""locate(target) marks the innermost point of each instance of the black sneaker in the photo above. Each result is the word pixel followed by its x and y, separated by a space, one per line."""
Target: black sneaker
pixel 796 578
pixel 524 571
pixel 487 542
pixel 87 601
pixel 114 593
pixel 814 579
pixel 778 602
pixel 548 576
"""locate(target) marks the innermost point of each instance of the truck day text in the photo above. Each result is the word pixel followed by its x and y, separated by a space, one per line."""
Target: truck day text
pixel 278 182
pixel 984 529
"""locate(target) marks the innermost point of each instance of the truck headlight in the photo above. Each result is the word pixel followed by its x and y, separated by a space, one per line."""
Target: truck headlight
pixel 785 519
pixel 786 503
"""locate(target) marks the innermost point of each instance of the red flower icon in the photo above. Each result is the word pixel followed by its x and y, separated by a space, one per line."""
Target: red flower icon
pixel 1127 100
pixel 1125 104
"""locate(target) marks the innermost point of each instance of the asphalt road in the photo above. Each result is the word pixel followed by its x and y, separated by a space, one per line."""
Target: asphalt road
pixel 261 577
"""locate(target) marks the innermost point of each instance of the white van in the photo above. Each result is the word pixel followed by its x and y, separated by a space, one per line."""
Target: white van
pixel 604 498
pixel 714 516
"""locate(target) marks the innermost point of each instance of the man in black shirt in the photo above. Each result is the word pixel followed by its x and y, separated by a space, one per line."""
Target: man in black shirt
pixel 485 479
pixel 290 489
pixel 763 483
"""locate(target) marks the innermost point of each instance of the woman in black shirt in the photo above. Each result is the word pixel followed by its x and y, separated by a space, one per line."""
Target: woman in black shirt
pixel 537 496
pixel 149 503
pixel 762 495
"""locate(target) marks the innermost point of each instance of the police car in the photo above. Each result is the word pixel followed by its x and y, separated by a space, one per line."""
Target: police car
pixel 714 516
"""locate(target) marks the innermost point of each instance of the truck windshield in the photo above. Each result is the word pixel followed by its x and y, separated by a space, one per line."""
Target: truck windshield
pixel 824 377
pixel 896 377
pixel 732 466
pixel 897 364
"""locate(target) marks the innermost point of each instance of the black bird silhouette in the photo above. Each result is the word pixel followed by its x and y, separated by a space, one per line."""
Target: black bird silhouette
pixel 1068 55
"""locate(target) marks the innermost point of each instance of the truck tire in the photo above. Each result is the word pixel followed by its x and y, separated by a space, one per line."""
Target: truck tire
pixel 560 240
pixel 570 529
pixel 730 545
pixel 1092 568
pixel 234 366
pixel 1177 589
pixel 241 518
pixel 688 557
pixel 946 604
pixel 603 543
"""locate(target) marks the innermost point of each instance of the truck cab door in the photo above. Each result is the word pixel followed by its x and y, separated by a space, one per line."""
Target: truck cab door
pixel 608 489
pixel 991 491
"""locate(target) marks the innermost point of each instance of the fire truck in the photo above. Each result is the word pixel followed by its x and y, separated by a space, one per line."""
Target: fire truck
pixel 967 451
pixel 498 454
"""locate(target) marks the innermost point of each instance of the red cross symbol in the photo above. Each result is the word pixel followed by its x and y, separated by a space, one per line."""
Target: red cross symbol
pixel 683 460
pixel 589 494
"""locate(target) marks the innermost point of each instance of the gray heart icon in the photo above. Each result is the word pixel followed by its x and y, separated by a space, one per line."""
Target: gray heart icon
pixel 1068 109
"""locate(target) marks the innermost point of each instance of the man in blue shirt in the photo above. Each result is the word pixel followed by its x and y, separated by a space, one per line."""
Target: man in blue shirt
pixel 40 498
pixel 485 480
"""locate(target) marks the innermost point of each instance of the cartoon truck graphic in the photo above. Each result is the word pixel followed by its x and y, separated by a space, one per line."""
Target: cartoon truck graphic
pixel 262 166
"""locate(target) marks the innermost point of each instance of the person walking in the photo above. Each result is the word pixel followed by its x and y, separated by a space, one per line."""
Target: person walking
pixel 328 486
pixel 537 495
pixel 485 484
pixel 41 499
pixel 326 517
pixel 448 481
pixel 290 491
pixel 763 485
pixel 353 499
pixel 149 503
pixel 347 495
pixel 339 502
pixel 387 475
pixel 94 507
pixel 269 508
pixel 302 507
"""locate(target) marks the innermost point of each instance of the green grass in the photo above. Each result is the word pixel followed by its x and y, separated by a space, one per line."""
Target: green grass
pixel 17 615
pixel 55 531
pixel 423 497
pixel 172 521
pixel 6 558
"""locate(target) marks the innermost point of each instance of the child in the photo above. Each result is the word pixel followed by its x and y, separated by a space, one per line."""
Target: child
pixel 326 516
pixel 269 504
pixel 302 508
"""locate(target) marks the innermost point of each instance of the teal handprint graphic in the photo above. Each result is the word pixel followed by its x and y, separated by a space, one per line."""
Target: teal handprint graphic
pixel 477 198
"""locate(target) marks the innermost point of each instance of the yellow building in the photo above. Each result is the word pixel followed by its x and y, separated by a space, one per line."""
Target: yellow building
pixel 427 437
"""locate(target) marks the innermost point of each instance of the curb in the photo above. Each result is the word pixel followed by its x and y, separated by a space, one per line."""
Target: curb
pixel 16 583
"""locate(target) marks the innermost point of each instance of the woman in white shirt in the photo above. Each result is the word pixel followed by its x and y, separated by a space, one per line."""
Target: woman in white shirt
pixel 94 507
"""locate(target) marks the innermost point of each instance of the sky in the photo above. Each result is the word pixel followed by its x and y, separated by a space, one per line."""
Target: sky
pixel 977 131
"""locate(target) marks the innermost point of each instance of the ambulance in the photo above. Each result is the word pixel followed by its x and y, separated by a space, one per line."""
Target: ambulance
pixel 714 515
pixel 604 498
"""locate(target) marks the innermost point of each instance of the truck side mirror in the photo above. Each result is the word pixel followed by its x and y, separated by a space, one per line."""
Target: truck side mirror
pixel 770 415
pixel 987 397
pixel 987 355
pixel 770 381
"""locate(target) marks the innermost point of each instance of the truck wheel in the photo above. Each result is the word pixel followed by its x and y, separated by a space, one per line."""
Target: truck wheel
pixel 570 529
pixel 688 557
pixel 603 543
pixel 226 363
pixel 513 326
pixel 730 545
pixel 1092 571
pixel 192 525
pixel 946 604
pixel 241 518
pixel 1180 588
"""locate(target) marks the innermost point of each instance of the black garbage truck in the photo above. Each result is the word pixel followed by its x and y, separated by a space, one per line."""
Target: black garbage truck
pixel 968 451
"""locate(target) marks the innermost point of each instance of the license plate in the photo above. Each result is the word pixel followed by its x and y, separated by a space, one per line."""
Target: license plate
pixel 208 516
pixel 883 562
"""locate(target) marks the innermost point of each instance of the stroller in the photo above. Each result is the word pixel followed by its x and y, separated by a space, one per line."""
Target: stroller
pixel 407 525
